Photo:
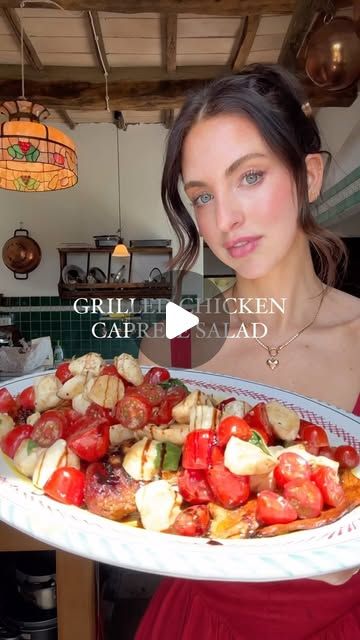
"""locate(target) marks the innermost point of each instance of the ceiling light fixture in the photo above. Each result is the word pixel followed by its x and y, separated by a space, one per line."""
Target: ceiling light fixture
pixel 34 157
pixel 120 250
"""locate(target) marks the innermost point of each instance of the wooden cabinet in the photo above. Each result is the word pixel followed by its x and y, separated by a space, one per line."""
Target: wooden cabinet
pixel 109 288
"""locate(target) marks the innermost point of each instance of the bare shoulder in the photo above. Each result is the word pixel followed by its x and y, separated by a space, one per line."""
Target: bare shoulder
pixel 343 308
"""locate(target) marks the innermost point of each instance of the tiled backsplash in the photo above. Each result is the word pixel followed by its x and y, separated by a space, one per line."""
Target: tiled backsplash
pixel 54 317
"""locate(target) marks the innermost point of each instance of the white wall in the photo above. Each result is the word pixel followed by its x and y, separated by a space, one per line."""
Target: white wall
pixel 91 207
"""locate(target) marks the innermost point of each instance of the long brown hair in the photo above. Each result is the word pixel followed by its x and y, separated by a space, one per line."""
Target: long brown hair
pixel 274 100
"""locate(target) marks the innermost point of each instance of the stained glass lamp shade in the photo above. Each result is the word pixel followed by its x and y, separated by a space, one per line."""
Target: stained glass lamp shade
pixel 34 157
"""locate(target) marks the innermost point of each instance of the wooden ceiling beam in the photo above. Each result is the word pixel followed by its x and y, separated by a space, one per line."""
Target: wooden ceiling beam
pixel 98 41
pixel 147 89
pixel 305 13
pixel 244 42
pixel 30 54
pixel 203 7
pixel 66 118
pixel 169 42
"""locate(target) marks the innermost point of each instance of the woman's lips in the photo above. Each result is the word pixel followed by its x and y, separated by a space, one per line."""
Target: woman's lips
pixel 243 248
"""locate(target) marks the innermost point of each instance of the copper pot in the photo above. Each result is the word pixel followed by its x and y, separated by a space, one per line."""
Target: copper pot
pixel 21 254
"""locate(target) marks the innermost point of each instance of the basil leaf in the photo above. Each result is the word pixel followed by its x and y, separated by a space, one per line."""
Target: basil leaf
pixel 173 382
pixel 257 440
pixel 31 445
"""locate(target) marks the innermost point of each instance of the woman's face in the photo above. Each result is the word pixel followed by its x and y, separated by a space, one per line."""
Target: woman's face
pixel 244 198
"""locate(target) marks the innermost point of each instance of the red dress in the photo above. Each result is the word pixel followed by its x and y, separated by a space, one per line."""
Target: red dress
pixel 296 609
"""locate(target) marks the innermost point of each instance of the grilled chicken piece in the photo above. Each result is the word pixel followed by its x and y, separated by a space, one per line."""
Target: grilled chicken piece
pixel 6 424
pixel 72 387
pixel 236 408
pixel 284 422
pixel 110 491
pixel 235 523
pixel 175 434
pixel 106 391
pixel 129 368
pixel 52 458
pixel 181 411
pixel 26 457
pixel 351 486
pixel 158 504
pixel 90 364
pixel 46 392
pixel 204 417
pixel 80 403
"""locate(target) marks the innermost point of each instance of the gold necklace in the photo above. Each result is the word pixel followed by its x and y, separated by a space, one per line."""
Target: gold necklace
pixel 273 360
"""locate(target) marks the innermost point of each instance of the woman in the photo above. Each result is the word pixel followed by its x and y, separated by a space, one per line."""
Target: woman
pixel 249 156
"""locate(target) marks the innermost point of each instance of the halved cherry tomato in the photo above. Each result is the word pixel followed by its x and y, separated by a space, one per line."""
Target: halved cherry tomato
pixel 313 436
pixel 26 398
pixel 347 456
pixel 232 426
pixel 194 487
pixel 156 375
pixel 328 482
pixel 94 410
pixel 91 441
pixel 153 393
pixel 66 485
pixel 221 406
pixel 230 490
pixel 133 412
pixel 291 466
pixel 196 449
pixel 305 496
pixel 63 372
pixel 49 428
pixel 163 413
pixel 176 394
pixel 258 420
pixel 14 438
pixel 193 521
pixel 71 416
pixel 7 402
pixel 272 508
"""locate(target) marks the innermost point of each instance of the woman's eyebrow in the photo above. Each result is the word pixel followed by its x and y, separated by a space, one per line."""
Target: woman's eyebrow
pixel 234 165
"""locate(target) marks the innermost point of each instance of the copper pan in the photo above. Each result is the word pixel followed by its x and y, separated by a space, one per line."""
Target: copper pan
pixel 21 254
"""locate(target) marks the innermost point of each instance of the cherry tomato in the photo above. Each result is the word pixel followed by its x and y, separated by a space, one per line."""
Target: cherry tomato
pixel 216 455
pixel 258 420
pixel 26 398
pixel 328 482
pixel 221 406
pixel 193 521
pixel 91 441
pixel 163 413
pixel 232 426
pixel 196 449
pixel 94 410
pixel 152 393
pixel 156 375
pixel 133 412
pixel 271 508
pixel 63 372
pixel 346 456
pixel 327 452
pixel 305 496
pixel 313 436
pixel 71 416
pixel 49 428
pixel 194 487
pixel 66 485
pixel 291 466
pixel 14 438
pixel 176 394
pixel 230 490
pixel 7 402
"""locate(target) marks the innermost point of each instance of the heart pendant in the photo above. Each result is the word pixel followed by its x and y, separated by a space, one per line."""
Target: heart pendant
pixel 272 363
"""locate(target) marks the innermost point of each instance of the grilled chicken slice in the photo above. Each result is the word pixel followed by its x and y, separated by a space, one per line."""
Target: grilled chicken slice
pixel 235 523
pixel 236 408
pixel 158 504
pixel 284 422
pixel 175 434
pixel 72 387
pixel 110 491
pixel 181 411
pixel 129 368
pixel 46 390
pixel 106 391
pixel 204 417
pixel 26 457
pixel 90 364
pixel 52 458
pixel 6 424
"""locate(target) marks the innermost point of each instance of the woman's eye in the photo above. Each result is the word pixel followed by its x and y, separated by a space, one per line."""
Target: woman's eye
pixel 202 199
pixel 253 177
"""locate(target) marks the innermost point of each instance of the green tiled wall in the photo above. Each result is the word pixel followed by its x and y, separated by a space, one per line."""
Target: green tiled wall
pixel 70 328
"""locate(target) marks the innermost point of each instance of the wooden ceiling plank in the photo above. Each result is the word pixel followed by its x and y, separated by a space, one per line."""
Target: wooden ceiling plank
pixel 169 40
pixel 244 42
pixel 66 118
pixel 146 93
pixel 304 14
pixel 98 41
pixel 29 50
pixel 202 7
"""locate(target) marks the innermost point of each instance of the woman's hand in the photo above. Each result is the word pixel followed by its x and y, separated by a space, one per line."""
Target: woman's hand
pixel 338 578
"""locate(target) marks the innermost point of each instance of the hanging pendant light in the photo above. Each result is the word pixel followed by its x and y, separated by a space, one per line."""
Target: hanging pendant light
pixel 34 157
pixel 120 250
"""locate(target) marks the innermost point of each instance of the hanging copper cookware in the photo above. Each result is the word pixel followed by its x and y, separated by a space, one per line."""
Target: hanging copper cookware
pixel 21 254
